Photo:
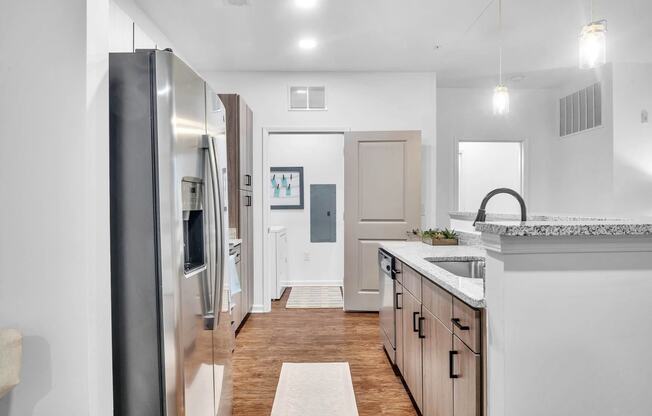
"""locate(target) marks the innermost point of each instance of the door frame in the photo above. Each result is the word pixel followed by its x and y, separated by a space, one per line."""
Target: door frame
pixel 265 202
pixel 456 166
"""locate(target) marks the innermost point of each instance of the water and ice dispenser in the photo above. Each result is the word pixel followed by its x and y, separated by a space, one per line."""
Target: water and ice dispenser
pixel 193 224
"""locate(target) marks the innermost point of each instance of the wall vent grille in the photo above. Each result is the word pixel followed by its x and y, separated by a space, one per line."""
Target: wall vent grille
pixel 581 110
pixel 307 98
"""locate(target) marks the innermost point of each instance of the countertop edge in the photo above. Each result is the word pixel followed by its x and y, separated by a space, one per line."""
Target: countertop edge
pixel 551 229
pixel 458 293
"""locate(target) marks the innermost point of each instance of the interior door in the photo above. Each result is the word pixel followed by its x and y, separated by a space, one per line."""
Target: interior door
pixel 382 197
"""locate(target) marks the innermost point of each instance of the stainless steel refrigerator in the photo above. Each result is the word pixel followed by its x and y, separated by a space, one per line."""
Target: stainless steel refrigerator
pixel 172 337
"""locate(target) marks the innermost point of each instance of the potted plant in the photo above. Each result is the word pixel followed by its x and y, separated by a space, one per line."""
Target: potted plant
pixel 414 235
pixel 439 237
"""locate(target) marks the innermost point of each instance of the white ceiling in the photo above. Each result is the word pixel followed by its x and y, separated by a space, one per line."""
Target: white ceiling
pixel 539 36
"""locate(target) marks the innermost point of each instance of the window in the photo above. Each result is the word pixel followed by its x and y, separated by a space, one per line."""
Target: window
pixel 484 166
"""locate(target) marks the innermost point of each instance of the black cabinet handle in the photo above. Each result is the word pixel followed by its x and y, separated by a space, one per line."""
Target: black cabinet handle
pixel 414 321
pixel 396 295
pixel 456 322
pixel 248 203
pixel 451 373
pixel 421 320
pixel 248 180
pixel 396 271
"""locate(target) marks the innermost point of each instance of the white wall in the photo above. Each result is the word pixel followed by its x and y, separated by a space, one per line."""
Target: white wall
pixel 466 113
pixel 322 159
pixel 356 100
pixel 130 28
pixel 54 214
pixel 632 93
pixel 582 169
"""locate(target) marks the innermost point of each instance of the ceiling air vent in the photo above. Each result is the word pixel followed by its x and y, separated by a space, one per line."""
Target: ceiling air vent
pixel 307 98
pixel 580 111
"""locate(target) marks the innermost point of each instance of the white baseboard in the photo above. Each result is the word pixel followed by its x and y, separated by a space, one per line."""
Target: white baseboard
pixel 258 309
pixel 312 283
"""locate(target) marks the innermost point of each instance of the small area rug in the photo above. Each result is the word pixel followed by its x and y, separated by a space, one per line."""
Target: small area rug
pixel 315 389
pixel 303 297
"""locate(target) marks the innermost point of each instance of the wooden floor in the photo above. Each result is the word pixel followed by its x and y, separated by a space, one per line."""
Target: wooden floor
pixel 266 341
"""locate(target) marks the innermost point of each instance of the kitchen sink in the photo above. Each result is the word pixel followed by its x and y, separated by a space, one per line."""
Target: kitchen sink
pixel 466 268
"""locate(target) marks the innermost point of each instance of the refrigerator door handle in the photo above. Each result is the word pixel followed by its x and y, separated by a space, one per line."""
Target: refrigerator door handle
pixel 216 188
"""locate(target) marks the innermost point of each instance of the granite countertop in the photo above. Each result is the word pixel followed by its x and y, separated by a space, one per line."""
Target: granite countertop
pixel 566 228
pixel 470 216
pixel 414 254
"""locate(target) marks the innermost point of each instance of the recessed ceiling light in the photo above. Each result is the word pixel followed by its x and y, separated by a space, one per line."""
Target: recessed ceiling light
pixel 305 4
pixel 307 43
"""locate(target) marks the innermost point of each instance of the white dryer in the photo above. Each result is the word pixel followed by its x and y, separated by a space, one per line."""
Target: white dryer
pixel 278 242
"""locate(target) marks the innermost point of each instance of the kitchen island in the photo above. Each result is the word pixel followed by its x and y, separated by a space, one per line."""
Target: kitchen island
pixel 432 324
pixel 568 317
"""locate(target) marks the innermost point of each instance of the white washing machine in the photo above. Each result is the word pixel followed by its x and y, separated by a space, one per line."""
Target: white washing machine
pixel 278 242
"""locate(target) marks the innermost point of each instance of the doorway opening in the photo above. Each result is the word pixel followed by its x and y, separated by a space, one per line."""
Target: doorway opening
pixel 303 210
pixel 484 165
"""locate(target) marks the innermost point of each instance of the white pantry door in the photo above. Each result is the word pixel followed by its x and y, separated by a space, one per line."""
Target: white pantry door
pixel 382 200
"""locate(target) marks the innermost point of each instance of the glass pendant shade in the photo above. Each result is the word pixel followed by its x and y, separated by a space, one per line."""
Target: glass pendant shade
pixel 501 100
pixel 593 45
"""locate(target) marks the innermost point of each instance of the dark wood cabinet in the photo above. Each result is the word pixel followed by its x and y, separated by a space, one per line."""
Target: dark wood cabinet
pixel 239 143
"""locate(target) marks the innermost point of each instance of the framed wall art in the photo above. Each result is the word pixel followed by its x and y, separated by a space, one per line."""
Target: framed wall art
pixel 286 187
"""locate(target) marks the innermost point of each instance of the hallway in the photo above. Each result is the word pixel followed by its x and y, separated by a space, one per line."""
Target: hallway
pixel 314 335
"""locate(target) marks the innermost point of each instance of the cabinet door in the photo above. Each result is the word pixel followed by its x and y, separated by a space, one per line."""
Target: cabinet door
pixel 398 318
pixel 437 383
pixel 412 363
pixel 245 138
pixel 467 387
pixel 250 145
pixel 245 201
pixel 250 252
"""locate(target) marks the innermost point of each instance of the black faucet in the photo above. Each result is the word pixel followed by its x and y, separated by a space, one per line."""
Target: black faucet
pixel 482 215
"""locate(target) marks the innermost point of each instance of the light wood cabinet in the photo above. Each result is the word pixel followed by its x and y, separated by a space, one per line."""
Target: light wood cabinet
pixel 438 348
pixel 412 282
pixel 438 302
pixel 437 383
pixel 467 384
pixel 412 363
pixel 398 268
pixel 398 318
pixel 466 324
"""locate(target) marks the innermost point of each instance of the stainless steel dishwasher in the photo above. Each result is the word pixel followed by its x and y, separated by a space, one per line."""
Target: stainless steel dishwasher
pixel 387 324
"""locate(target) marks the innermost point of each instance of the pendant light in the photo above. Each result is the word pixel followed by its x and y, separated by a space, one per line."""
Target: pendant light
pixel 501 93
pixel 593 43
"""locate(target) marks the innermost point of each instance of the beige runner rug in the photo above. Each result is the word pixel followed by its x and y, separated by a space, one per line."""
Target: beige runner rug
pixel 315 297
pixel 315 389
